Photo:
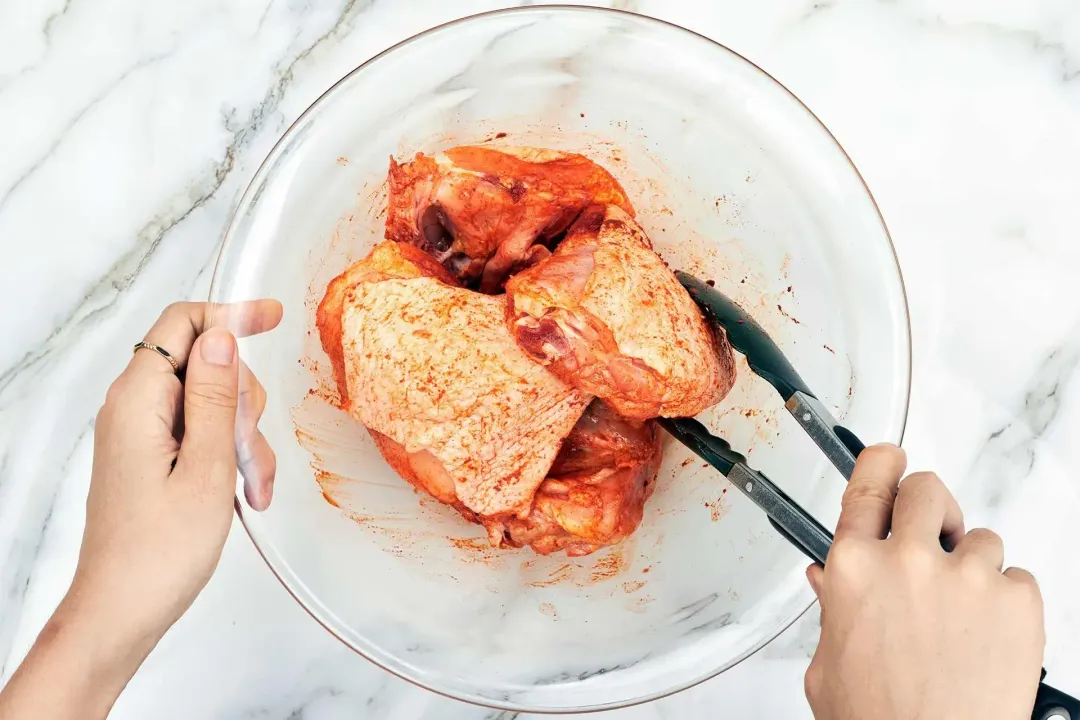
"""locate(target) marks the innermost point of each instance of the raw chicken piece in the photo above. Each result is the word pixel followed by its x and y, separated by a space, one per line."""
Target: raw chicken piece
pixel 595 493
pixel 604 439
pixel 387 260
pixel 480 211
pixel 434 369
pixel 423 471
pixel 608 316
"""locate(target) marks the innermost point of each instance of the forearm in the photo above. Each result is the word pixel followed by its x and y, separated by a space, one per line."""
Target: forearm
pixel 76 669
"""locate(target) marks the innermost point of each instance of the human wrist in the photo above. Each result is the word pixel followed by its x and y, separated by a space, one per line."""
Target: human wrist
pixel 105 646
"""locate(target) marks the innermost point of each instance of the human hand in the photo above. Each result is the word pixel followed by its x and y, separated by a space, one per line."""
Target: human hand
pixel 158 511
pixel 908 630
pixel 165 461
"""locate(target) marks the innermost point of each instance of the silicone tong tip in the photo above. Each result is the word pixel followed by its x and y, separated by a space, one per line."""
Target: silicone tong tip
pixel 746 336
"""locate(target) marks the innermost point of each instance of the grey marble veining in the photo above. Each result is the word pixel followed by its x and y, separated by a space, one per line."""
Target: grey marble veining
pixel 128 131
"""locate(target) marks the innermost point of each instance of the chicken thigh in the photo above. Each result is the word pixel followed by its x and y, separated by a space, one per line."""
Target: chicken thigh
pixel 387 260
pixel 423 471
pixel 484 212
pixel 434 369
pixel 596 490
pixel 528 412
pixel 608 316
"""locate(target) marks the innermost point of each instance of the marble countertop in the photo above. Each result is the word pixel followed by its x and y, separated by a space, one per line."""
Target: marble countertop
pixel 128 130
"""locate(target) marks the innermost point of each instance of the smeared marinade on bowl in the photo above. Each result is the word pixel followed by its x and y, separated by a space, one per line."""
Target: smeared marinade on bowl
pixel 510 343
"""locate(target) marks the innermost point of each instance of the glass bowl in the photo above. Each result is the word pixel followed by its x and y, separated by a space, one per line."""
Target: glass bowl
pixel 735 181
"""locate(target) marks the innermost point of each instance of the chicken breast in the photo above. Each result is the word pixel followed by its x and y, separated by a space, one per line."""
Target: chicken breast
pixel 608 316
pixel 433 368
pixel 595 493
pixel 481 211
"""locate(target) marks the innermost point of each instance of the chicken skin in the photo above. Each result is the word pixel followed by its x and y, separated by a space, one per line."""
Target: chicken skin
pixel 529 412
pixel 433 368
pixel 484 213
pixel 594 495
pixel 423 471
pixel 595 492
pixel 608 316
pixel 387 260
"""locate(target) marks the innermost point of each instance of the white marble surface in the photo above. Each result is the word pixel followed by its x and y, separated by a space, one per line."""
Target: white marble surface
pixel 129 128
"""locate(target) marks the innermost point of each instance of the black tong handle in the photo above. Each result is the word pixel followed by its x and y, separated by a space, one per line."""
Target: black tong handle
pixel 802 530
pixel 1052 703
pixel 790 520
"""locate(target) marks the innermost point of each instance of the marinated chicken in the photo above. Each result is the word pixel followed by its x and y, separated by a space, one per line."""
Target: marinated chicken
pixel 529 412
pixel 609 317
pixel 596 490
pixel 485 213
pixel 594 495
pixel 387 260
pixel 423 471
pixel 433 368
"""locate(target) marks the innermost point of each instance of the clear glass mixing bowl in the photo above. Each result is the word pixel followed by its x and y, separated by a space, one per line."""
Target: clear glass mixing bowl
pixel 736 181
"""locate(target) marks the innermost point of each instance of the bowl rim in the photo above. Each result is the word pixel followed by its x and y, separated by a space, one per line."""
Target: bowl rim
pixel 250 193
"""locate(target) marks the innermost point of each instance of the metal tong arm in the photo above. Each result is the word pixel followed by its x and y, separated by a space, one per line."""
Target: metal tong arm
pixel 787 516
pixel 838 443
pixel 745 335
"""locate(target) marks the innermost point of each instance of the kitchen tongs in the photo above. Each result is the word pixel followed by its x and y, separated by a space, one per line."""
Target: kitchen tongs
pixel 837 442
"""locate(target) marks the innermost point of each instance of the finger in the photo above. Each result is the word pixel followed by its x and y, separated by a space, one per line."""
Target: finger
pixel 258 465
pixel 207 452
pixel 244 319
pixel 1022 577
pixel 986 545
pixel 251 401
pixel 815 575
pixel 868 499
pixel 256 459
pixel 926 511
pixel 174 332
pixel 180 323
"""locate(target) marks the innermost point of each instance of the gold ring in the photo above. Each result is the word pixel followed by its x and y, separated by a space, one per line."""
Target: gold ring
pixel 143 345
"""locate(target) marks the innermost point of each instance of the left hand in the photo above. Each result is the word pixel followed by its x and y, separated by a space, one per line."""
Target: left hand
pixel 166 452
pixel 164 474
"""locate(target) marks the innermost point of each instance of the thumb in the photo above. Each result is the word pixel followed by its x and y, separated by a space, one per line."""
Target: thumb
pixel 207 452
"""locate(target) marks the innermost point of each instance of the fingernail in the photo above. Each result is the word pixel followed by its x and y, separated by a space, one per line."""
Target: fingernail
pixel 217 347
pixel 812 579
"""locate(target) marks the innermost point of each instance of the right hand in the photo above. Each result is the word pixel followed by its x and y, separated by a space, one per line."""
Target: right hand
pixel 909 631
